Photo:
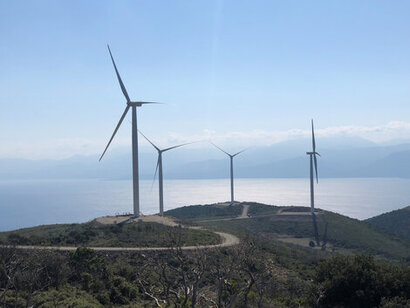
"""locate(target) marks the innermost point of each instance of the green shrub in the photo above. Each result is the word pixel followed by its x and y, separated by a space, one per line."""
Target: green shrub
pixel 67 297
pixel 360 281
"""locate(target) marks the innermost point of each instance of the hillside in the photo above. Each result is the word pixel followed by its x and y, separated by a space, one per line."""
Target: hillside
pixel 396 222
pixel 378 235
pixel 272 266
pixel 92 234
pixel 344 234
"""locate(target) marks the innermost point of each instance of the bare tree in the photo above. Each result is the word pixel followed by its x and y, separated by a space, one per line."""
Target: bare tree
pixel 9 266
pixel 34 275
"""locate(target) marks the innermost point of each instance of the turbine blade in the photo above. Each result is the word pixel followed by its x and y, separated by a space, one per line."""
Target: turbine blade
pixel 313 138
pixel 149 141
pixel 315 159
pixel 144 103
pixel 220 149
pixel 155 174
pixel 177 146
pixel 124 91
pixel 240 152
pixel 116 129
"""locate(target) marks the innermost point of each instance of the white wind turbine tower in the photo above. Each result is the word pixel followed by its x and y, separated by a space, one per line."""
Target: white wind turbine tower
pixel 133 105
pixel 313 162
pixel 159 169
pixel 231 156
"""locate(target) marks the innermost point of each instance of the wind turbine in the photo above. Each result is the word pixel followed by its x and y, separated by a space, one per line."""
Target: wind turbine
pixel 231 156
pixel 133 105
pixel 159 169
pixel 313 162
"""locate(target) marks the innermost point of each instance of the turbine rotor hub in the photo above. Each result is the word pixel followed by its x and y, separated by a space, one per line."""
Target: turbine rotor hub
pixel 136 104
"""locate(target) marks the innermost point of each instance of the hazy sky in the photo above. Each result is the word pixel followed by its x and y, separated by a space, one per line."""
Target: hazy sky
pixel 241 72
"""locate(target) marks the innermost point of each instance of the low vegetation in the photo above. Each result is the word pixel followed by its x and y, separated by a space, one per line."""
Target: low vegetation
pixel 141 234
pixel 253 274
pixel 344 233
pixel 361 281
pixel 396 222
pixel 257 209
pixel 198 212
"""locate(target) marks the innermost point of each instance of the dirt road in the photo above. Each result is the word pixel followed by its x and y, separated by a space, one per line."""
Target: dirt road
pixel 227 240
pixel 244 212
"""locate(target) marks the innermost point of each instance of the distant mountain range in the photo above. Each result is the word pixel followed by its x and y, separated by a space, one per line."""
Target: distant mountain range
pixel 341 157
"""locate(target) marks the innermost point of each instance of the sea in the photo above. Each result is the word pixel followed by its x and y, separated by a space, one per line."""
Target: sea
pixel 25 203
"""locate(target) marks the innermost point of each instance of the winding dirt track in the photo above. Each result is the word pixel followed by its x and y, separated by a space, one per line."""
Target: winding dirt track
pixel 227 240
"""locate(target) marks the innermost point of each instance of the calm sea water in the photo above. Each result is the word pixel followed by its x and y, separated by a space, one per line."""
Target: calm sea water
pixel 30 203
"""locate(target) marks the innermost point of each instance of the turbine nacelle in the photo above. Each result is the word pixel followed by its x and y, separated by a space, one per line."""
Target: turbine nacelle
pixel 139 104
pixel 312 153
pixel 230 155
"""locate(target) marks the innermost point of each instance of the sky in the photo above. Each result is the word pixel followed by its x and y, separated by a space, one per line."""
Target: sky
pixel 237 72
